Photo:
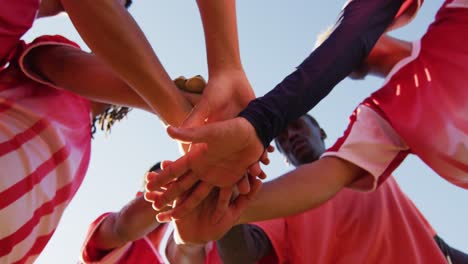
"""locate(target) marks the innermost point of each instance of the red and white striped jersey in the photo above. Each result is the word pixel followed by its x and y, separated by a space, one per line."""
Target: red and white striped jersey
pixel 45 138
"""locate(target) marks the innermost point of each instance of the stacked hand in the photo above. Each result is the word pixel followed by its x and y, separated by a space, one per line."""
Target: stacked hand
pixel 221 154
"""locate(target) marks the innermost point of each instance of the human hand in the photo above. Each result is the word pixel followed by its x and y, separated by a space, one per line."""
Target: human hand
pixel 225 95
pixel 202 217
pixel 192 90
pixel 221 153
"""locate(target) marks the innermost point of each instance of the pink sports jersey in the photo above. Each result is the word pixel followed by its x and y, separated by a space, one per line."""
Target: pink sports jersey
pixel 425 96
pixel 354 227
pixel 44 154
pixel 16 17
pixel 149 249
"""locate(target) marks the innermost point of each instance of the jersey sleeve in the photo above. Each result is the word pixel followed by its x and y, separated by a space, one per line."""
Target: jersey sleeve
pixel 360 25
pixel 16 17
pixel 275 229
pixel 91 254
pixel 55 40
pixel 372 144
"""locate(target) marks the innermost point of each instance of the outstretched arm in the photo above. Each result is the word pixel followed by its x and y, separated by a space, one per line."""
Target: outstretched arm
pixel 360 25
pixel 81 73
pixel 228 91
pixel 306 187
pixel 140 67
pixel 132 222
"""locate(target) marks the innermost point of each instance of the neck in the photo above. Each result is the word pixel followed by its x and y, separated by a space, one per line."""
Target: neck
pixel 388 51
pixel 49 8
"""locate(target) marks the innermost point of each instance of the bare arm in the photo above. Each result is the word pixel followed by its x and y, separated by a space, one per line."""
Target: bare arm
pixel 244 243
pixel 220 26
pixel 228 89
pixel 83 74
pixel 132 222
pixel 140 67
pixel 306 187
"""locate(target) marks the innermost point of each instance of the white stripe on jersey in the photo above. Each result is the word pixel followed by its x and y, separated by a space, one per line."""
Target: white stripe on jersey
pixel 458 4
pixel 26 159
pixel 16 214
pixel 20 249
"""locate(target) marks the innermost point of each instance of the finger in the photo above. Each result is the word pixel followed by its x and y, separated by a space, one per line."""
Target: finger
pixel 198 115
pixel 171 171
pixel 241 203
pixel 256 185
pixel 164 217
pixel 180 82
pixel 264 158
pixel 150 196
pixel 255 169
pixel 165 163
pixel 176 189
pixel 243 185
pixel 195 84
pixel 270 149
pixel 262 175
pixel 224 198
pixel 201 191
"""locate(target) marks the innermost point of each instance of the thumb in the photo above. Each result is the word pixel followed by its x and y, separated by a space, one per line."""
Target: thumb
pixel 198 115
pixel 201 134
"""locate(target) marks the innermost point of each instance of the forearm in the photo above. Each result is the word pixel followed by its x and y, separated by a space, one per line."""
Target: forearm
pixel 220 26
pixel 360 26
pixel 306 187
pixel 82 73
pixel 244 244
pixel 132 222
pixel 126 50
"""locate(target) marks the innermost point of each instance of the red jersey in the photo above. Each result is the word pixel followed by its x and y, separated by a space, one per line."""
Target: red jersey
pixel 149 249
pixel 354 227
pixel 425 96
pixel 45 139
pixel 16 17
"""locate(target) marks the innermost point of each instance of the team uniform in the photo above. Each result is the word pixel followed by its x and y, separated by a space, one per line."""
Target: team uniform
pixel 378 227
pixel 45 139
pixel 149 249
pixel 16 17
pixel 421 109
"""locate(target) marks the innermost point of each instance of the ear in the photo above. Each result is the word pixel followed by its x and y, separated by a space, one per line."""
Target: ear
pixel 323 135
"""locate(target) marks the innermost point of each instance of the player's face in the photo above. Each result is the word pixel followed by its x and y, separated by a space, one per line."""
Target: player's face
pixel 301 142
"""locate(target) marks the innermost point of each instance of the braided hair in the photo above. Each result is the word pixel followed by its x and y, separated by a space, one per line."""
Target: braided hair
pixel 106 119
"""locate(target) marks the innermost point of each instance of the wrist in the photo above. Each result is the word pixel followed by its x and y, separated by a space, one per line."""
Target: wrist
pixel 226 69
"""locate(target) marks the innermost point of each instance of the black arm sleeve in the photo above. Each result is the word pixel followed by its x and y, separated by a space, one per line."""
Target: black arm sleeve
pixel 452 254
pixel 244 244
pixel 360 25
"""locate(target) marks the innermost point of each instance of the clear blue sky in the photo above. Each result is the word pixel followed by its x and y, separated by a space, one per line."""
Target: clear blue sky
pixel 275 36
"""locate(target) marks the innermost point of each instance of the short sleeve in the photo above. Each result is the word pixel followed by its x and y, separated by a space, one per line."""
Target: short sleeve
pixel 371 143
pixel 275 229
pixel 91 254
pixel 55 40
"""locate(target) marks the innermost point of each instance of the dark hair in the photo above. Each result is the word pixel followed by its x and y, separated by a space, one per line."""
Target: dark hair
pixel 107 119
pixel 155 167
pixel 311 119
pixel 128 3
